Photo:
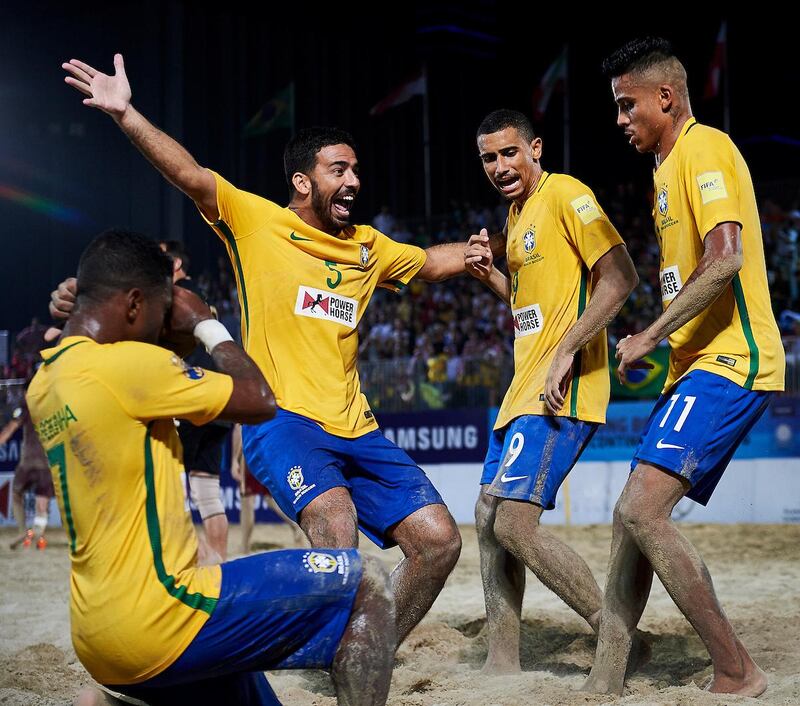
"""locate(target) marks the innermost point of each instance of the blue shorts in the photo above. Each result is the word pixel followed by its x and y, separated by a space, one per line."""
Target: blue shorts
pixel 537 453
pixel 277 610
pixel 297 461
pixel 695 428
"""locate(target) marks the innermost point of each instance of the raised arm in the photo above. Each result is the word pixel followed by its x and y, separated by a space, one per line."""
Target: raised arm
pixel 112 95
pixel 251 401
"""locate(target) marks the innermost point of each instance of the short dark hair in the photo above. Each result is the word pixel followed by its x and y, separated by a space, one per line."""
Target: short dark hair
pixel 119 260
pixel 638 55
pixel 176 249
pixel 501 119
pixel 300 154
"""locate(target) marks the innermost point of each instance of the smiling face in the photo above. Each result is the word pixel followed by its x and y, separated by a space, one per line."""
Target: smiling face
pixel 642 111
pixel 510 162
pixel 334 186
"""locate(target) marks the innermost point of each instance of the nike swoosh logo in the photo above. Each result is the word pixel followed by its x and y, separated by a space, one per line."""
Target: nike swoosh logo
pixel 506 479
pixel 297 237
pixel 662 445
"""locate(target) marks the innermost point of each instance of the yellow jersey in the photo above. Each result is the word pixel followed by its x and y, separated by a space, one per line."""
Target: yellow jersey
pixel 703 182
pixel 302 293
pixel 104 414
pixel 553 242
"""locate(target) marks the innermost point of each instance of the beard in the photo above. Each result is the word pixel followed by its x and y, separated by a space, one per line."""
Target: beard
pixel 322 209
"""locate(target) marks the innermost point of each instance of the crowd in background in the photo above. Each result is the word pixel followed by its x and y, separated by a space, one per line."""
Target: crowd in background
pixel 451 343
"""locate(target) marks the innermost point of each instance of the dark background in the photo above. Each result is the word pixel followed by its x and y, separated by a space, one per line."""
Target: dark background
pixel 201 72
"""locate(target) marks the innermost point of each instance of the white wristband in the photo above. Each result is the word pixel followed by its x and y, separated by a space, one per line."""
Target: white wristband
pixel 211 333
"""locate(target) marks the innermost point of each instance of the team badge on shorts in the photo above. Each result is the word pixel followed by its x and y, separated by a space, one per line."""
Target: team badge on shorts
pixel 364 256
pixel 295 477
pixel 317 562
pixel 297 483
pixel 324 563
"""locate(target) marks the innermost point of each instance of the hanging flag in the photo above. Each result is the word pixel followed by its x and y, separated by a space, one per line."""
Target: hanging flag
pixel 278 112
pixel 556 74
pixel 641 382
pixel 717 66
pixel 417 86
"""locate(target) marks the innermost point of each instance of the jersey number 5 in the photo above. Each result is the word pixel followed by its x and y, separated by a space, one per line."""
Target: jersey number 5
pixel 333 283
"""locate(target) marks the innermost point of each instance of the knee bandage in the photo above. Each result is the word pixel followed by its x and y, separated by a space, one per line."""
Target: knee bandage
pixel 205 495
pixel 39 524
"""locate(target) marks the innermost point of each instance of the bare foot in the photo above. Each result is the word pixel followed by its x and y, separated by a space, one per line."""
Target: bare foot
pixel 495 666
pixel 753 684
pixel 607 676
pixel 596 684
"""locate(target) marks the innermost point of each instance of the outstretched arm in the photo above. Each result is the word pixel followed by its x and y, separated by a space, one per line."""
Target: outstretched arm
pixel 251 400
pixel 447 260
pixel 112 95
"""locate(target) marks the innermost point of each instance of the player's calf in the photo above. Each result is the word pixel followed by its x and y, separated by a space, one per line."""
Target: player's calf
pixel 431 544
pixel 362 667
pixel 503 578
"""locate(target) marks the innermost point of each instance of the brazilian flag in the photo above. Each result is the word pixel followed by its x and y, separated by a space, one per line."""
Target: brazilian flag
pixel 278 112
pixel 646 383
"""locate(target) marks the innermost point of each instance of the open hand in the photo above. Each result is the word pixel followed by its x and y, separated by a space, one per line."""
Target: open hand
pixel 111 94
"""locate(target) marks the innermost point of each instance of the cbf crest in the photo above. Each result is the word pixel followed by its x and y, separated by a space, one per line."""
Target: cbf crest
pixel 325 563
pixel 663 205
pixel 319 562
pixel 364 256
pixel 529 239
pixel 191 372
pixel 295 477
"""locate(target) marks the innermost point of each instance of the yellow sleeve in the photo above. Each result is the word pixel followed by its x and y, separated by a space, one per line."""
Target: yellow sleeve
pixel 240 212
pixel 585 224
pixel 151 382
pixel 398 262
pixel 709 177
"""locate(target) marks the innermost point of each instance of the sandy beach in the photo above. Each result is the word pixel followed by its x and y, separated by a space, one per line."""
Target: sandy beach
pixel 756 569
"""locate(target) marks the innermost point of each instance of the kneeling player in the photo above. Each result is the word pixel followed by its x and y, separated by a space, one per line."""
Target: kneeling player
pixel 147 621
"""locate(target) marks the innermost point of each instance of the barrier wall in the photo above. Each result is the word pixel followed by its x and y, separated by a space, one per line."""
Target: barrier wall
pixel 762 483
